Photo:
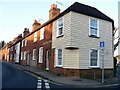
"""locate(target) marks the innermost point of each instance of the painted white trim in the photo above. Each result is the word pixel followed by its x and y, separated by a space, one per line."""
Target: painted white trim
pixel 89 27
pixel 21 55
pixel 25 55
pixel 57 35
pixel 25 42
pixel 56 59
pixel 98 33
pixel 34 54
pixel 42 33
pixel 47 59
pixel 98 58
pixel 40 55
pixel 35 36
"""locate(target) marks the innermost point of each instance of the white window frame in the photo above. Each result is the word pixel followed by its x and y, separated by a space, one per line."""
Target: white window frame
pixel 21 55
pixel 98 58
pixel 35 36
pixel 56 55
pixel 60 27
pixel 34 57
pixel 42 33
pixel 90 34
pixel 40 55
pixel 25 55
pixel 25 42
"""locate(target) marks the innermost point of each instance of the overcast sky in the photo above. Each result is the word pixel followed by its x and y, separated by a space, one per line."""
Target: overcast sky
pixel 15 15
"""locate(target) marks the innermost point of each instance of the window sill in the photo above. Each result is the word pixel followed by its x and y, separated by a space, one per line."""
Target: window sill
pixel 93 36
pixel 58 66
pixel 94 67
pixel 41 39
pixel 39 63
pixel 60 36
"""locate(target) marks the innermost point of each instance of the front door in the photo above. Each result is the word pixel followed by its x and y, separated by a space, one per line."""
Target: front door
pixel 47 60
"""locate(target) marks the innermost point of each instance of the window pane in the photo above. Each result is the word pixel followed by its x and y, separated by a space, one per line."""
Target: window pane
pixel 60 22
pixel 34 54
pixel 60 30
pixel 42 33
pixel 93 31
pixel 60 27
pixel 59 56
pixel 93 22
pixel 40 54
pixel 93 62
pixel 93 57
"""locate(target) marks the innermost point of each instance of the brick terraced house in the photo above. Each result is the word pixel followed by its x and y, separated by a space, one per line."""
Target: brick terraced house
pixel 4 52
pixel 15 49
pixel 68 43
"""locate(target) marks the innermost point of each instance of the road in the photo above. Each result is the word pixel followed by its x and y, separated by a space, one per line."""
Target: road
pixel 13 78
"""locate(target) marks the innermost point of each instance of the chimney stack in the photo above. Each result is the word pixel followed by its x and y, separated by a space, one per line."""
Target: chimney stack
pixel 19 36
pixel 26 32
pixel 54 11
pixel 35 25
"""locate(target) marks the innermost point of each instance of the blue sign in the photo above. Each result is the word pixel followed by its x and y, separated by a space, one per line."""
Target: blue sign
pixel 102 44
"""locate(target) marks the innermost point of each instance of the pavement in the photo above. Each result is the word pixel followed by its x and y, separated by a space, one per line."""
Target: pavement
pixel 70 80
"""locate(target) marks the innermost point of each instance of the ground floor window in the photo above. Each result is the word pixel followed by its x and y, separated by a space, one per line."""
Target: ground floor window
pixel 21 55
pixel 40 54
pixel 94 58
pixel 34 54
pixel 24 55
pixel 59 57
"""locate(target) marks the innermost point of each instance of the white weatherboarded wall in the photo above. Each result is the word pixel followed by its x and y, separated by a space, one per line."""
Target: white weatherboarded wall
pixel 17 52
pixel 76 34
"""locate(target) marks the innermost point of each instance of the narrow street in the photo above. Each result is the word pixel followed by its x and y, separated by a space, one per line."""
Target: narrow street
pixel 13 78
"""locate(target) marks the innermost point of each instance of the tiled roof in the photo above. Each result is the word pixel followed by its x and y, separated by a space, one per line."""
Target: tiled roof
pixel 88 10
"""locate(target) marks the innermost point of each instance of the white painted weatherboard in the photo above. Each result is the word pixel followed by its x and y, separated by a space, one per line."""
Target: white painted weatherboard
pixel 17 52
pixel 76 34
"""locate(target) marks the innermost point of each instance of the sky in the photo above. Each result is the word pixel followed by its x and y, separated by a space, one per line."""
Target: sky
pixel 15 15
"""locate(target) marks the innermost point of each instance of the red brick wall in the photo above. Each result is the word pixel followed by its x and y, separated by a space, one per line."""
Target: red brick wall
pixel 83 73
pixel 46 44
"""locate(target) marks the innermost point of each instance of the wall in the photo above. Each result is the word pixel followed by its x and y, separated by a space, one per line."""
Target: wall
pixel 76 34
pixel 80 37
pixel 17 52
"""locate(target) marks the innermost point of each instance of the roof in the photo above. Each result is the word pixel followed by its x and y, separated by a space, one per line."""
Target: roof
pixel 88 10
pixel 78 8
